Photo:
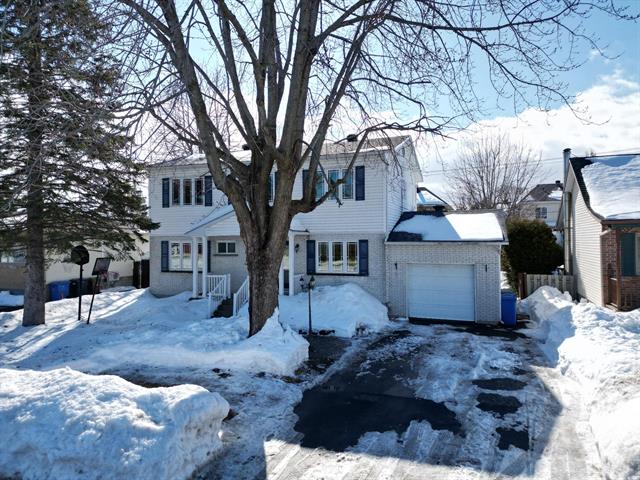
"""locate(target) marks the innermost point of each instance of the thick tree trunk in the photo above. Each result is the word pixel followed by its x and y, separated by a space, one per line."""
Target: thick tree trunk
pixel 34 291
pixel 263 287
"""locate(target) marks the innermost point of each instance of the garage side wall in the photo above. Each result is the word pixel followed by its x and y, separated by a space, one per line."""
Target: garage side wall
pixel 485 258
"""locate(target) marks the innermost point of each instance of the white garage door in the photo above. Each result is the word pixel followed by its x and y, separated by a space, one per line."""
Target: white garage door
pixel 444 292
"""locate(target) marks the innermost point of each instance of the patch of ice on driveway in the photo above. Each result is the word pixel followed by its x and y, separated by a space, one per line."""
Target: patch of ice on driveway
pixel 64 424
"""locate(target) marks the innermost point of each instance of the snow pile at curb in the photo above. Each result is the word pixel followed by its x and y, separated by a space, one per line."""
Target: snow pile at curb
pixel 601 350
pixel 64 424
pixel 8 300
pixel 345 309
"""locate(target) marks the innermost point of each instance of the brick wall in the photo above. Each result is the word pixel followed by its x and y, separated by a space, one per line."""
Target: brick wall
pixel 630 286
pixel 486 259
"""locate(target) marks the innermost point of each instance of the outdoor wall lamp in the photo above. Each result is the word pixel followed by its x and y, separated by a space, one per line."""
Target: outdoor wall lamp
pixel 297 247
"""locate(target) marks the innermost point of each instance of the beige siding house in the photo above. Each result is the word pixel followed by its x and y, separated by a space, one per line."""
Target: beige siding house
pixel 600 223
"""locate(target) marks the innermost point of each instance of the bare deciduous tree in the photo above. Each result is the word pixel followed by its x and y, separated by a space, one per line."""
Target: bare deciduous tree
pixel 291 69
pixel 492 171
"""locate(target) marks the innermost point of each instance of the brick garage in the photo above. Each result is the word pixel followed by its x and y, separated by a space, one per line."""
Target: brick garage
pixel 624 277
pixel 445 267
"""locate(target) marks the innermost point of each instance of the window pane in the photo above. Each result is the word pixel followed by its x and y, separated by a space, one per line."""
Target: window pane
pixel 174 260
pixel 347 186
pixel 323 257
pixel 200 256
pixel 336 258
pixel 319 186
pixel 334 175
pixel 186 256
pixel 352 257
pixel 199 191
pixel 175 192
pixel 231 247
pixel 222 247
pixel 186 190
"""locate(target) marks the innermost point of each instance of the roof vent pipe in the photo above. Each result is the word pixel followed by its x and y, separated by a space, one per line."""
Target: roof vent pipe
pixel 566 155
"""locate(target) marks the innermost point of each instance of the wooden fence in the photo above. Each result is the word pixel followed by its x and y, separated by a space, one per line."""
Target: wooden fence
pixel 529 283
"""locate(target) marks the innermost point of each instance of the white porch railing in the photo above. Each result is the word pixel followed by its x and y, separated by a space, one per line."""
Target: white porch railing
pixel 241 296
pixel 218 289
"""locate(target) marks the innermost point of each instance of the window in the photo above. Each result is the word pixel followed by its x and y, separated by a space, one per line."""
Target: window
pixel 541 212
pixel 180 256
pixel 347 186
pixel 334 176
pixel 337 257
pixel 16 255
pixel 226 248
pixel 323 257
pixel 187 191
pixel 319 186
pixel 175 191
pixel 199 191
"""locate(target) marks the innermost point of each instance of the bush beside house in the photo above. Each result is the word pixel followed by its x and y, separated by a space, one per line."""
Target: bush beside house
pixel 532 248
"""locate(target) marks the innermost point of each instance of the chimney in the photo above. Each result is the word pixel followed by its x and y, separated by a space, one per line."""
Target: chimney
pixel 566 155
pixel 559 184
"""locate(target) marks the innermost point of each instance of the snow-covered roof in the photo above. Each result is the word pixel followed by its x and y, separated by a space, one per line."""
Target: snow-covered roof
pixel 613 186
pixel 450 227
pixel 427 198
pixel 198 227
pixel 545 192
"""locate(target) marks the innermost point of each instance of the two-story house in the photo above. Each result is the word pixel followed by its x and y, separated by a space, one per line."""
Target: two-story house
pixel 343 240
pixel 543 203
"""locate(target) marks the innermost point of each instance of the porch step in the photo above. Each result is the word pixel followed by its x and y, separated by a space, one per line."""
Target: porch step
pixel 225 309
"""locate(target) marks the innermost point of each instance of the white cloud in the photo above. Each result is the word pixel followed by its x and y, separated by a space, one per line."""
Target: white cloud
pixel 607 120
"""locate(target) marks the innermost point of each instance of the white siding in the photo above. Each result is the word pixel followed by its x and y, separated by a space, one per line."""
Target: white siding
pixel 587 252
pixel 176 220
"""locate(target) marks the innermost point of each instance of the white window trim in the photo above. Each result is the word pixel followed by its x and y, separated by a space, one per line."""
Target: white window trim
pixel 184 266
pixel 353 186
pixel 226 242
pixel 345 257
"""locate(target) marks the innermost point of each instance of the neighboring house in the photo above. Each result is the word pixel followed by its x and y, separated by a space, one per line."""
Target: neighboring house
pixel 13 268
pixel 198 242
pixel 543 203
pixel 600 221
pixel 429 201
pixel 446 265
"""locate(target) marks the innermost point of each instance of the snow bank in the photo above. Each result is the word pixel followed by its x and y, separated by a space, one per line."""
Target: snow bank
pixel 64 424
pixel 601 350
pixel 134 329
pixel 345 309
pixel 8 300
pixel 454 227
pixel 613 184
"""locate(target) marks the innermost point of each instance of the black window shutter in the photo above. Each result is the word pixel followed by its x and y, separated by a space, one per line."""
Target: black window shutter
pixel 305 179
pixel 165 192
pixel 311 257
pixel 209 256
pixel 275 184
pixel 208 191
pixel 628 254
pixel 360 182
pixel 164 256
pixel 363 256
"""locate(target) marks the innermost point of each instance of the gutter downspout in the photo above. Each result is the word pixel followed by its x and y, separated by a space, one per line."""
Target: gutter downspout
pixel 566 211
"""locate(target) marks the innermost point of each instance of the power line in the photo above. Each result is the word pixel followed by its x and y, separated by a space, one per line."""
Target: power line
pixel 628 151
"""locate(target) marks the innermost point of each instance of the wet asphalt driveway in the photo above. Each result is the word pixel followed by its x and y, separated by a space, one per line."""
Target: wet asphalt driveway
pixel 436 402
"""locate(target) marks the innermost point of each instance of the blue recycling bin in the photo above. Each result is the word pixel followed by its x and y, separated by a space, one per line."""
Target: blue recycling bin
pixel 508 302
pixel 59 290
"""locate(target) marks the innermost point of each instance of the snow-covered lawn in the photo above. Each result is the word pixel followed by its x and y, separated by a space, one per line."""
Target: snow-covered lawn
pixel 64 424
pixel 135 328
pixel 9 300
pixel 600 349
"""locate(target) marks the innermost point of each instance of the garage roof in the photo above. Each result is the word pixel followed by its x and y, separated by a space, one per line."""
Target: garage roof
pixel 478 226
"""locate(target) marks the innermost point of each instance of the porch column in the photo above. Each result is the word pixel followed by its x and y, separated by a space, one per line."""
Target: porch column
pixel 618 271
pixel 281 280
pixel 205 265
pixel 292 252
pixel 194 267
